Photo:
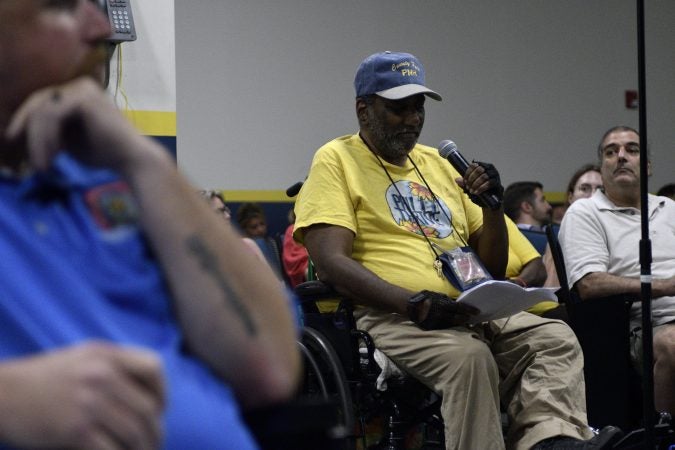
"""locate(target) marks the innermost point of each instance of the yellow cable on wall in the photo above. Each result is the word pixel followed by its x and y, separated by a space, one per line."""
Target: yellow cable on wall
pixel 150 123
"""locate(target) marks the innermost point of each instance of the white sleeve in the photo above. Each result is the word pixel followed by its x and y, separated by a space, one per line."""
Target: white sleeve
pixel 583 241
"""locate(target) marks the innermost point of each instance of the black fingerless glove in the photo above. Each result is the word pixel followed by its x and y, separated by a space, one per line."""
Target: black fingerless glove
pixel 495 188
pixel 442 310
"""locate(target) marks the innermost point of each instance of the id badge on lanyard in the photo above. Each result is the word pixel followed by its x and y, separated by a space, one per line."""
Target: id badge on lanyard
pixel 462 267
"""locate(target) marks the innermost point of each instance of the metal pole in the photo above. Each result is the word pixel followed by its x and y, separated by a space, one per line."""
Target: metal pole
pixel 645 244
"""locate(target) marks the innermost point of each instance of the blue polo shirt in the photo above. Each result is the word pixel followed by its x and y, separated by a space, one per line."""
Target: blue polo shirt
pixel 75 267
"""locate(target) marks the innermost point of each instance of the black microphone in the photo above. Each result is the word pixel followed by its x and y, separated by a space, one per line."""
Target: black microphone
pixel 448 150
pixel 292 191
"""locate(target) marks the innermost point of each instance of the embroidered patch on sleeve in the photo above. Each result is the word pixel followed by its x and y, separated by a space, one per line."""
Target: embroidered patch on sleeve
pixel 112 205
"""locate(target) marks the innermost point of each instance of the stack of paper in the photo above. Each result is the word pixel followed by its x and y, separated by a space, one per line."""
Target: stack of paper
pixel 496 299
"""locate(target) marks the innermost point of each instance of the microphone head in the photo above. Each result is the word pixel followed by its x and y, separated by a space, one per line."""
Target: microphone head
pixel 446 147
pixel 292 191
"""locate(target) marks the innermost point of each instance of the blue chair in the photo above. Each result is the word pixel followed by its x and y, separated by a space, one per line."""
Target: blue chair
pixel 537 239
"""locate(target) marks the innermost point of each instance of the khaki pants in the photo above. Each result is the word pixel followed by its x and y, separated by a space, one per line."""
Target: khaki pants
pixel 532 366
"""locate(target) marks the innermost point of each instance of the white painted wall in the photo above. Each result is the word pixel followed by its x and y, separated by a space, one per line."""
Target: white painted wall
pixel 529 85
pixel 149 63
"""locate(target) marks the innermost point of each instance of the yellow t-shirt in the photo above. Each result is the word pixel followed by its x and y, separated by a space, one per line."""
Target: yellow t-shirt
pixel 521 252
pixel 348 187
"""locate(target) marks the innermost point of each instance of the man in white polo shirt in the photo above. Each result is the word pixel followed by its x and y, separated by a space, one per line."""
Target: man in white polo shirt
pixel 600 240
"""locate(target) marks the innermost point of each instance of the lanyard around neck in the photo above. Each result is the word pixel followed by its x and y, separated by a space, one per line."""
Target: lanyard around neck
pixel 432 246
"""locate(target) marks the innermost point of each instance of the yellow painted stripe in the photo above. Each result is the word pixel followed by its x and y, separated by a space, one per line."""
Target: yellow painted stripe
pixel 153 123
pixel 280 196
pixel 256 196
pixel 556 197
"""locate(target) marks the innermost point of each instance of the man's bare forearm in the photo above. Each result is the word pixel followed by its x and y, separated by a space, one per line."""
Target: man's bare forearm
pixel 232 308
pixel 209 263
pixel 492 245
pixel 353 280
pixel 330 248
pixel 601 284
pixel 534 273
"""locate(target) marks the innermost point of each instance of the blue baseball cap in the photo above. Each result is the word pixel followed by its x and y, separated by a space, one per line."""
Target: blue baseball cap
pixel 391 75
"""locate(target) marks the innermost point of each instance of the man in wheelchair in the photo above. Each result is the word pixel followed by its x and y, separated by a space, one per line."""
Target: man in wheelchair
pixel 375 212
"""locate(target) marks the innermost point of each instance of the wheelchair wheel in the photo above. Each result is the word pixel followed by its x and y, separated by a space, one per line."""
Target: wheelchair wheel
pixel 325 378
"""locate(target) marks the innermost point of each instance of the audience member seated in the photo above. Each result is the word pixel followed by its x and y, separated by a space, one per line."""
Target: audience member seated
pixel 252 222
pixel 372 212
pixel 294 255
pixel 526 268
pixel 584 182
pixel 526 205
pixel 600 239
pixel 557 212
pixel 132 318
pixel 217 203
pixel 667 190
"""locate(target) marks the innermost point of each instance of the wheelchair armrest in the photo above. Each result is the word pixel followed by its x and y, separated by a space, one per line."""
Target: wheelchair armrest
pixel 314 290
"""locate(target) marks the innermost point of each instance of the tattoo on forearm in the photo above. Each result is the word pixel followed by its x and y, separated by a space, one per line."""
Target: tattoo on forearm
pixel 209 262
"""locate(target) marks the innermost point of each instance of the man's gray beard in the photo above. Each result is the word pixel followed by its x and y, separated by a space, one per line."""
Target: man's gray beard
pixel 386 145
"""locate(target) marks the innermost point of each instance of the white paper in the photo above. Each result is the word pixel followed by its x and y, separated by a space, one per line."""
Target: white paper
pixel 496 299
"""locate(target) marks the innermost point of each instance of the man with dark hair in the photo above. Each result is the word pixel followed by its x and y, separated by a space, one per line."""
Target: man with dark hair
pixel 526 205
pixel 375 211
pixel 600 238
pixel 132 317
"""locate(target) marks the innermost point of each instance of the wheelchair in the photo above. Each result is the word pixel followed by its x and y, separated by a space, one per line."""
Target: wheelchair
pixel 341 366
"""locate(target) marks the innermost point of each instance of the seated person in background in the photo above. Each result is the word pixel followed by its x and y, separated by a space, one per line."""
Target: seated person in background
pixel 217 203
pixel 584 182
pixel 557 212
pixel 667 190
pixel 526 268
pixel 252 221
pixel 294 255
pixel 131 317
pixel 600 239
pixel 526 205
pixel 372 208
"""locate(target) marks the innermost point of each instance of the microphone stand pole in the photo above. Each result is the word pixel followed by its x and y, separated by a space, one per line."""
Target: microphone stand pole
pixel 666 436
pixel 645 245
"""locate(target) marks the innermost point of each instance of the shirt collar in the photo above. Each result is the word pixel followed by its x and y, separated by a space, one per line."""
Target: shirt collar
pixel 604 203
pixel 65 174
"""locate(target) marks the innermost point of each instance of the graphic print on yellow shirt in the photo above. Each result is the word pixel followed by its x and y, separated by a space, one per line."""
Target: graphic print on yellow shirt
pixel 408 198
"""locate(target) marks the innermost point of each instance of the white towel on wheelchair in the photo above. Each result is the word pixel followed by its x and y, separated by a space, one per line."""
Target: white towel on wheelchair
pixel 389 369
